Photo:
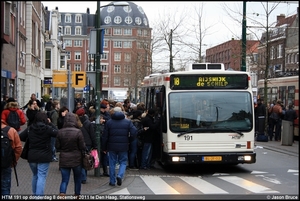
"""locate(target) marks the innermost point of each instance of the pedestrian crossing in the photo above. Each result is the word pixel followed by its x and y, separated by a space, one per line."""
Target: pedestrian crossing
pixel 180 185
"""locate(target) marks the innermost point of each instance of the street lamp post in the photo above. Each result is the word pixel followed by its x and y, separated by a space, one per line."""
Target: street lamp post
pixel 98 74
pixel 98 85
pixel 244 42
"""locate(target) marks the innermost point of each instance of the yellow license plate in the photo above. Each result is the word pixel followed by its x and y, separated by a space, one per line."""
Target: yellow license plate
pixel 212 158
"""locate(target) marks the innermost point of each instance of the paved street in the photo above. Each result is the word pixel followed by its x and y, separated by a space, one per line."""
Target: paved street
pixel 98 185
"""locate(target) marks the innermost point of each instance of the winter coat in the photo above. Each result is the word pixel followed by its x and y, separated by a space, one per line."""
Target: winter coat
pixel 148 135
pixel 30 113
pixel 70 143
pixel 139 126
pixel 60 122
pixel 39 135
pixel 117 132
pixel 15 140
pixel 88 132
pixel 290 115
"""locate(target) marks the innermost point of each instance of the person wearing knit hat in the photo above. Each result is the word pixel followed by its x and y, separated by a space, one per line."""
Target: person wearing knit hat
pixel 80 112
pixel 103 106
pixel 89 135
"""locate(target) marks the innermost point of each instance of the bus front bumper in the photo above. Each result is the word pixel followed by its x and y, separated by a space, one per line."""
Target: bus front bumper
pixel 210 158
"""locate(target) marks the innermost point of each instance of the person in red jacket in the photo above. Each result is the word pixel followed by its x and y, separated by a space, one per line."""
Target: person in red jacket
pixel 17 147
pixel 12 105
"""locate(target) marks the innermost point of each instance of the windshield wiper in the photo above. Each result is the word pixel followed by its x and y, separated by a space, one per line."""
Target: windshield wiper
pixel 236 131
pixel 189 131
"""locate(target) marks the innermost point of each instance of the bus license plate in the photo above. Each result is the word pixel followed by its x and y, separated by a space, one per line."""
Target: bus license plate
pixel 212 158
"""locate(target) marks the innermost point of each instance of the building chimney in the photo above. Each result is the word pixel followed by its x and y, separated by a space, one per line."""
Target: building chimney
pixel 280 17
pixel 88 11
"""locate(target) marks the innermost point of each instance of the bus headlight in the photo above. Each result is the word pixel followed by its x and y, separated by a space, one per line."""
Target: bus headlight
pixel 177 159
pixel 244 158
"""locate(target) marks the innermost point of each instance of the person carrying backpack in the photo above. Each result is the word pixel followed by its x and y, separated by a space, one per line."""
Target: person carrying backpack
pixel 9 160
pixel 13 115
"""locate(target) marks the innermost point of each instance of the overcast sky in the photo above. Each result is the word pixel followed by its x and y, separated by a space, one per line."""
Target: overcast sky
pixel 222 26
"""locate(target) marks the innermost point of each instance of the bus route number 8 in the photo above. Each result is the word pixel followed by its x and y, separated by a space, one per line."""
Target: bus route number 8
pixel 176 81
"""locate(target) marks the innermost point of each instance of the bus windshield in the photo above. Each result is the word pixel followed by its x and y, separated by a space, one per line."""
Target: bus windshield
pixel 210 111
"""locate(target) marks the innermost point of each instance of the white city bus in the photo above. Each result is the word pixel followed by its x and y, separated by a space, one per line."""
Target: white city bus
pixel 220 131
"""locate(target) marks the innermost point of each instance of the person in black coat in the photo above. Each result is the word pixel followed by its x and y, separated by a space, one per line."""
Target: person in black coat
pixel 290 114
pixel 260 113
pixel 48 105
pixel 31 112
pixel 61 115
pixel 151 126
pixel 39 135
pixel 89 135
pixel 32 98
pixel 104 117
pixel 136 145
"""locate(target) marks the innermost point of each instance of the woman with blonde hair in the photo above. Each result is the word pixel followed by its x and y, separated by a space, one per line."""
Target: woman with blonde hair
pixel 119 104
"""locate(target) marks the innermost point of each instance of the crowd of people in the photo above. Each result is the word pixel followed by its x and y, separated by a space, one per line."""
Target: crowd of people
pixel 276 112
pixel 55 134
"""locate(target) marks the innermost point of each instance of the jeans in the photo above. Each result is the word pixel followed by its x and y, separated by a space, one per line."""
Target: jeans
pixel 5 181
pixel 53 139
pixel 83 174
pixel 277 125
pixel 40 172
pixel 133 152
pixel 65 174
pixel 113 158
pixel 146 155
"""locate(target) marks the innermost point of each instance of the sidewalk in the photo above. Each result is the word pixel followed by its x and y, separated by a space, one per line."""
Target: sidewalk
pixel 99 185
pixel 94 185
pixel 277 146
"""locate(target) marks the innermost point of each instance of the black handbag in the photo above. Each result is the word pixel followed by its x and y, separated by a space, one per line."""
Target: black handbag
pixel 88 161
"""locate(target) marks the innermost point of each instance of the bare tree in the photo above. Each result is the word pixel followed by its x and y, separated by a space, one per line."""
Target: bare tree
pixel 196 30
pixel 264 41
pixel 138 66
pixel 169 30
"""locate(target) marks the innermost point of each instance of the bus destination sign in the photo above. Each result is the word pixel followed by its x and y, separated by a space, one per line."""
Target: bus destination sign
pixel 205 81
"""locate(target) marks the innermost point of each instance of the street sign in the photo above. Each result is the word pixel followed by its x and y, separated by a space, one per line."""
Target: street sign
pixel 78 79
pixel 60 78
